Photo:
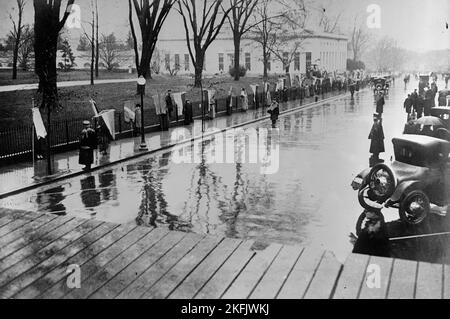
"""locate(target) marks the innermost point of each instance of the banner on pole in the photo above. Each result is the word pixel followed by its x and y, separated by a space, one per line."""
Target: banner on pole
pixel 129 110
pixel 41 132
pixel 94 107
pixel 179 99
pixel 109 119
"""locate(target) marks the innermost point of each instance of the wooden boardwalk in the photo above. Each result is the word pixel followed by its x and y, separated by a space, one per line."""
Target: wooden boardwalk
pixel 126 261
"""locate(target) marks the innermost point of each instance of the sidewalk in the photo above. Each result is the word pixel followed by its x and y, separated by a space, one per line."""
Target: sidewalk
pixel 23 176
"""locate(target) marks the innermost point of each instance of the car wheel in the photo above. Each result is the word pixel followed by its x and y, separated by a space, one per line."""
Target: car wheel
pixel 415 207
pixel 382 182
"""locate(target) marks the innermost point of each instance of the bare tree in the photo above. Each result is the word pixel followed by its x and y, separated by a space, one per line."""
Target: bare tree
pixel 359 39
pixel 16 33
pixel 93 42
pixel 204 23
pixel 25 53
pixel 241 11
pixel 110 51
pixel 97 45
pixel 151 17
pixel 47 26
pixel 280 33
pixel 386 55
pixel 329 23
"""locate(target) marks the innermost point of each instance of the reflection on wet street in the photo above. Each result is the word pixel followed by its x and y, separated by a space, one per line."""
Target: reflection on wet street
pixel 308 201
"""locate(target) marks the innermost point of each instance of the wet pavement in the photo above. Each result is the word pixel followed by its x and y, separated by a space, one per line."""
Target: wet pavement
pixel 308 201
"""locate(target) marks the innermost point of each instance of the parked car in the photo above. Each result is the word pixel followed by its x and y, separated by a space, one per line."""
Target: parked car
pixel 419 176
pixel 380 85
pixel 442 98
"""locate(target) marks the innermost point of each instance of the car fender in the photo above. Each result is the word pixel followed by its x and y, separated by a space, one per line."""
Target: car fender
pixel 365 176
pixel 404 188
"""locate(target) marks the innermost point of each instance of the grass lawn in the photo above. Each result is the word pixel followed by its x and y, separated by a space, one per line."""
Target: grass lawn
pixel 15 106
pixel 76 75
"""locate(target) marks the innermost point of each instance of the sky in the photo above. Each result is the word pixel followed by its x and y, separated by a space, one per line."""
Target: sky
pixel 417 25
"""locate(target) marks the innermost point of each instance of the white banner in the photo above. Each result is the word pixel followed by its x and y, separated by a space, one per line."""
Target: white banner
pixel 41 132
pixel 254 87
pixel 178 98
pixel 94 107
pixel 108 117
pixel 129 112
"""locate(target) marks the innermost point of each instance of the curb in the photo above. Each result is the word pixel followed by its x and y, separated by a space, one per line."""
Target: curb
pixel 163 148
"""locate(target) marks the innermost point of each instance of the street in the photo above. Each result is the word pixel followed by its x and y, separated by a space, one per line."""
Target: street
pixel 308 202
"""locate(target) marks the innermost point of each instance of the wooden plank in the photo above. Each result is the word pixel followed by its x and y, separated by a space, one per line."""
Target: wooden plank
pixel 276 275
pixel 429 281
pixel 206 269
pixel 223 278
pixel 100 278
pixel 325 278
pixel 137 267
pixel 385 267
pixel 300 277
pixel 43 243
pixel 182 269
pixel 446 288
pixel 43 284
pixel 244 284
pixel 95 264
pixel 16 224
pixel 56 260
pixel 352 277
pixel 160 268
pixel 11 215
pixel 29 262
pixel 403 279
pixel 19 233
pixel 30 238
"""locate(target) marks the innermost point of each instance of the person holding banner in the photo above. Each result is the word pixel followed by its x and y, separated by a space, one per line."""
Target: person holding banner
pixel 188 113
pixel 230 102
pixel 244 100
pixel 104 136
pixel 212 104
pixel 88 143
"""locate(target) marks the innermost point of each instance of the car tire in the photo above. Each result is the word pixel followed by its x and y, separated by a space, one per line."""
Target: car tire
pixel 386 168
pixel 423 203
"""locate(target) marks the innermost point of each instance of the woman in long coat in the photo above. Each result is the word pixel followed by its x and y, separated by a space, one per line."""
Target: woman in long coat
pixel 377 138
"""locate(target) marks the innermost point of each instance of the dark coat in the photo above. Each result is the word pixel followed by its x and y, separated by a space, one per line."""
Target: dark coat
pixel 188 113
pixel 88 143
pixel 374 245
pixel 380 105
pixel 377 139
pixel 408 105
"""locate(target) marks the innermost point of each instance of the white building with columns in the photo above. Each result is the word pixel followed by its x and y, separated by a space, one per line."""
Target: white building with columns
pixel 327 50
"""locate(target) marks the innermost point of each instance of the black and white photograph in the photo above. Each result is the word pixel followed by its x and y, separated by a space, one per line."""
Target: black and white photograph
pixel 241 150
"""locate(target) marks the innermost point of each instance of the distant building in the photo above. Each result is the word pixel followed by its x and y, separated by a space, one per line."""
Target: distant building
pixel 328 51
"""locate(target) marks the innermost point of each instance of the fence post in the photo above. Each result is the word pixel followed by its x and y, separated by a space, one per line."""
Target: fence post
pixel 67 133
pixel 120 123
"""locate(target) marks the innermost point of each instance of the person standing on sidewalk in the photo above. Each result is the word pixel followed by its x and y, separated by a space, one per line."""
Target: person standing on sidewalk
pixel 169 103
pixel 376 138
pixel 274 111
pixel 230 102
pixel 104 137
pixel 137 119
pixel 88 143
pixel 380 105
pixel 244 100
pixel 188 112
pixel 407 105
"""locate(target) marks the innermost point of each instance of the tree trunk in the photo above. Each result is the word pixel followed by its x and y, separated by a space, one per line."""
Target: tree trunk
pixel 97 54
pixel 265 62
pixel 15 58
pixel 237 56
pixel 93 47
pixel 199 62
